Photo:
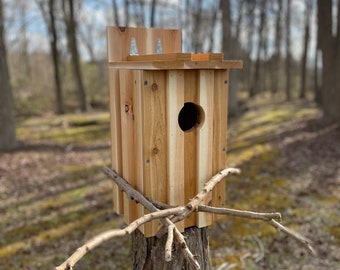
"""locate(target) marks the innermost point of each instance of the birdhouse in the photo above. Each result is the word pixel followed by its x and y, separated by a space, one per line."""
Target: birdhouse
pixel 168 120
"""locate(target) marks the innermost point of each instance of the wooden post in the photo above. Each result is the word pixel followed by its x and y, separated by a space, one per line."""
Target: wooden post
pixel 148 253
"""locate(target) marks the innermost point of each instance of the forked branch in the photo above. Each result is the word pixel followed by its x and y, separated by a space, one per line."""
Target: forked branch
pixel 178 214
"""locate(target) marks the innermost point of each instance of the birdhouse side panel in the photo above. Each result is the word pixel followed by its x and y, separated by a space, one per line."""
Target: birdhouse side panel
pixel 126 85
pixel 154 135
pixel 115 136
pixel 221 80
pixel 138 159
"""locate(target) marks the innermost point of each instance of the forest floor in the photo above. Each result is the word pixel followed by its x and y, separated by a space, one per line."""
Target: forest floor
pixel 54 196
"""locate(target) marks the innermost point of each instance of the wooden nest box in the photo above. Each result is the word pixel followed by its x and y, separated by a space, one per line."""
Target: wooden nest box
pixel 168 120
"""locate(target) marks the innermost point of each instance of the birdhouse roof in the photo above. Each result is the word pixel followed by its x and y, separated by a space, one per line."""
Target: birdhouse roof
pixel 177 61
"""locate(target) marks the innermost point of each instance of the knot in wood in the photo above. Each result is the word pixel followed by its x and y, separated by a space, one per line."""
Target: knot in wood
pixel 155 151
pixel 154 86
pixel 127 108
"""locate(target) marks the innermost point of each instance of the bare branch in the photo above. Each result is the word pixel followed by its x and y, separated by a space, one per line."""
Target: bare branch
pixel 105 236
pixel 169 241
pixel 306 242
pixel 135 195
pixel 179 213
pixel 194 202
pixel 239 213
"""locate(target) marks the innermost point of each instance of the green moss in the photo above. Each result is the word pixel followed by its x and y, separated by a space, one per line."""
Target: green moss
pixel 80 129
pixel 335 232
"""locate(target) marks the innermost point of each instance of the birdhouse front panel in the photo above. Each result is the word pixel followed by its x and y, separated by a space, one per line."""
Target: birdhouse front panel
pixel 168 128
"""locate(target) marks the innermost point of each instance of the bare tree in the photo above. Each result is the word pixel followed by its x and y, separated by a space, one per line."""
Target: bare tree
pixel 308 8
pixel 47 9
pixel 288 51
pixel 22 9
pixel 139 11
pixel 127 13
pixel 230 50
pixel 250 29
pixel 7 117
pixel 214 12
pixel 153 12
pixel 276 58
pixel 197 26
pixel 115 12
pixel 71 30
pixel 317 89
pixel 254 88
pixel 329 41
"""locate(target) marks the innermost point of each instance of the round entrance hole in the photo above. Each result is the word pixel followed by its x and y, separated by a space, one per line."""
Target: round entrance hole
pixel 190 116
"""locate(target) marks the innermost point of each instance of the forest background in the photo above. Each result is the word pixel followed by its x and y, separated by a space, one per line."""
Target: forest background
pixel 284 108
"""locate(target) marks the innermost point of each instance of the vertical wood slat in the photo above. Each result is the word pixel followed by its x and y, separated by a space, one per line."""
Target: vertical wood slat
pixel 175 139
pixel 116 138
pixel 154 140
pixel 190 151
pixel 138 136
pixel 220 135
pixel 205 139
pixel 128 146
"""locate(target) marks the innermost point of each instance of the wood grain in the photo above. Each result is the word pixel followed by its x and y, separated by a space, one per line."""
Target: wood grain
pixel 175 139
pixel 154 139
pixel 116 138
pixel 205 138
pixel 221 80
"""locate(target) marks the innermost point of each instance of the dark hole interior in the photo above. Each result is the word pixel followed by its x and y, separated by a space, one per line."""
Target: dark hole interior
pixel 188 116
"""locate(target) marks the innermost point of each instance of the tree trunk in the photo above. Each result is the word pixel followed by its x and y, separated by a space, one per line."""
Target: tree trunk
pixel 288 56
pixel 276 59
pixel 115 12
pixel 330 47
pixel 148 253
pixel 228 50
pixel 197 26
pixel 317 90
pixel 153 12
pixel 7 117
pixel 305 50
pixel 73 48
pixel 254 88
pixel 55 57
pixel 48 14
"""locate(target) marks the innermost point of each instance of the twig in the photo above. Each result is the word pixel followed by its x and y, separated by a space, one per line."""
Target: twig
pixel 105 236
pixel 168 244
pixel 139 197
pixel 179 213
pixel 306 242
pixel 194 202
pixel 260 255
pixel 239 213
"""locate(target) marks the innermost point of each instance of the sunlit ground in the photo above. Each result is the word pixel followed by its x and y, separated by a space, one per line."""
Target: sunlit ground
pixel 54 196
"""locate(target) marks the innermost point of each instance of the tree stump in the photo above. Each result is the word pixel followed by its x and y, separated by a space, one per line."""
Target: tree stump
pixel 148 253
